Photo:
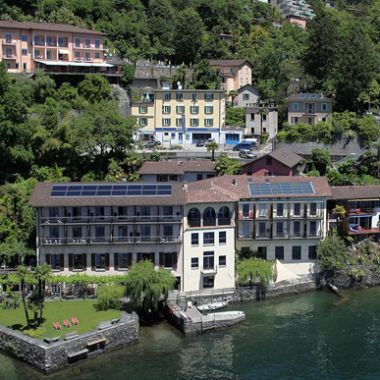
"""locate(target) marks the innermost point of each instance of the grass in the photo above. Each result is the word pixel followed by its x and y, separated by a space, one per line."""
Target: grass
pixel 57 311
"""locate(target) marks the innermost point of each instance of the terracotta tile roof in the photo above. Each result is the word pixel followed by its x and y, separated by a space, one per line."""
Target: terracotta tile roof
pixel 177 167
pixel 355 192
pixel 228 62
pixel 41 197
pixel 47 27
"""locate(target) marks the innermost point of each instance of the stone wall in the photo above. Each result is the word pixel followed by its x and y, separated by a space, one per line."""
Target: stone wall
pixel 49 357
pixel 343 280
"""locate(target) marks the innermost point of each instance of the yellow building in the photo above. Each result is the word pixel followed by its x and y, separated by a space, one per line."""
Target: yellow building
pixel 181 117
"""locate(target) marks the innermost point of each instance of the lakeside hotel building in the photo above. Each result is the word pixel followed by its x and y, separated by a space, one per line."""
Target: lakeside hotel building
pixel 54 48
pixel 191 229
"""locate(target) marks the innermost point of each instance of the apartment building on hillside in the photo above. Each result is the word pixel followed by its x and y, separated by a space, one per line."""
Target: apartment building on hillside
pixel 180 117
pixel 54 48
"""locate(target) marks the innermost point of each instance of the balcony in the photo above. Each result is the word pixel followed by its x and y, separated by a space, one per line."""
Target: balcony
pixel 9 56
pixel 281 235
pixel 245 236
pixel 8 42
pixel 263 236
pixel 361 211
pixel 111 219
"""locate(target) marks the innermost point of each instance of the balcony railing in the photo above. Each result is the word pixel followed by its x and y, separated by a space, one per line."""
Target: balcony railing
pixel 110 219
pixel 6 41
pixel 9 56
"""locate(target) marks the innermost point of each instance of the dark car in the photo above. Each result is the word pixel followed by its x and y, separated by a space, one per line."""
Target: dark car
pixel 249 145
pixel 151 144
pixel 200 143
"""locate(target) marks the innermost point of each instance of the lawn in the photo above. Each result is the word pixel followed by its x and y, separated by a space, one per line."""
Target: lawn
pixel 57 311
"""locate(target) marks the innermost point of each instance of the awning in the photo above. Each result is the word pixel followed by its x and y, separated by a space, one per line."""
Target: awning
pixel 74 64
pixel 284 274
pixel 63 51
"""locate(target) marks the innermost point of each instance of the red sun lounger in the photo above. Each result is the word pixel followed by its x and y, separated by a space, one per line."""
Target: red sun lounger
pixel 66 323
pixel 75 321
pixel 57 326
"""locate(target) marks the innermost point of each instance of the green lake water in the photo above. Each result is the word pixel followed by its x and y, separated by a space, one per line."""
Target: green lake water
pixel 309 336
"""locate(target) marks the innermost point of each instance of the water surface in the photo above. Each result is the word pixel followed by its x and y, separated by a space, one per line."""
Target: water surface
pixel 309 336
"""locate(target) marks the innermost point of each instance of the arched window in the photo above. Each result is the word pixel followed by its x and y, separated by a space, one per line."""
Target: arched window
pixel 224 216
pixel 209 217
pixel 194 217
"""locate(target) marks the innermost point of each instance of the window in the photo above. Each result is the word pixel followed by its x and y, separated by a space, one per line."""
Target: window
pixel 280 228
pixel 208 260
pixel 97 44
pixel 194 217
pixel 77 54
pixel 8 38
pixel 24 51
pixel 166 109
pixel 48 54
pixel 24 66
pixel 208 282
pixel 262 251
pixel 55 262
pixel 222 237
pixel 297 209
pixel 124 260
pixel 313 228
pixel 77 232
pixel 87 56
pixel 100 261
pixel 87 43
pixel 209 217
pixel 194 239
pixel 122 233
pixel 245 96
pixel 77 42
pixel 313 209
pixel 222 261
pixel 262 227
pixel 295 107
pixel 143 121
pixel 168 231
pixel 297 228
pixel 78 262
pixel 62 42
pixel 167 96
pixel 167 210
pixel 145 210
pixel 208 238
pixel 194 122
pixel 209 122
pixel 37 53
pixel 279 253
pixel 245 209
pixel 180 110
pixel 194 97
pixel 209 110
pixel 179 96
pixel 209 97
pixel 263 209
pixel 54 232
pixel 194 263
pixel 324 107
pixel 99 233
pixel 194 110
pixel 296 252
pixel 168 259
pixel 280 209
pixel 178 122
pixel 143 109
pixel 269 160
pixel 199 177
pixel 166 122
pixel 24 37
pixel 97 55
pixel 312 252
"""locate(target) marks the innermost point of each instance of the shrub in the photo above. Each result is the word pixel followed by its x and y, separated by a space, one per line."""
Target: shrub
pixel 109 297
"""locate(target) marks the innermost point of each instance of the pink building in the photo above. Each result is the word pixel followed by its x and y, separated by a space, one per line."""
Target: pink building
pixel 55 48
pixel 235 73
pixel 276 163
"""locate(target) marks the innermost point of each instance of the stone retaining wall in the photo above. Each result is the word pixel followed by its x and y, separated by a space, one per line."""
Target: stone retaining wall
pixel 50 357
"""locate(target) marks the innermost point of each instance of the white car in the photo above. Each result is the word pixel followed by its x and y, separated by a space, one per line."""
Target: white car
pixel 246 153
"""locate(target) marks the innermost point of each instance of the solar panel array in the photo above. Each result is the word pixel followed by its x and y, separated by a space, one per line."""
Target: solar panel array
pixel 281 188
pixel 110 190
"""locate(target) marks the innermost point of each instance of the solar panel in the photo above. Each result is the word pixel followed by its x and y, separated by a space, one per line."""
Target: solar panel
pixel 109 190
pixel 280 188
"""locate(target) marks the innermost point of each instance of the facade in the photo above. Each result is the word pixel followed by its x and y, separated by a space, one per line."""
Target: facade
pixel 55 48
pixel 362 205
pixel 235 73
pixel 308 108
pixel 180 117
pixel 231 135
pixel 248 96
pixel 261 119
pixel 182 171
pixel 296 12
pixel 277 163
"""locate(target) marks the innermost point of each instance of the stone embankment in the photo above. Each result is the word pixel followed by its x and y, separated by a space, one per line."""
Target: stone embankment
pixel 51 356
pixel 347 280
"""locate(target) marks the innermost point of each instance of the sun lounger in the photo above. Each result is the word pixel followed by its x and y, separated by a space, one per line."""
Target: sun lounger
pixel 66 323
pixel 75 321
pixel 57 326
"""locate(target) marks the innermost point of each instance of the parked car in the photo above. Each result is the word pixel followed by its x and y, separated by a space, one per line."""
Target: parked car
pixel 200 143
pixel 246 153
pixel 152 144
pixel 249 145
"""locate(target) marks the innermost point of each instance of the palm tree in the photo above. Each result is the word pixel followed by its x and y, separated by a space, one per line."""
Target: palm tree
pixel 233 94
pixel 212 146
pixel 42 273
pixel 23 274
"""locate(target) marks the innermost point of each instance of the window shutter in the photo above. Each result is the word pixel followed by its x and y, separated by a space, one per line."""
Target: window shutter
pixel 107 261
pixel 61 262
pixel 161 262
pixel 71 262
pixel 93 261
pixel 84 261
pixel 47 259
pixel 116 261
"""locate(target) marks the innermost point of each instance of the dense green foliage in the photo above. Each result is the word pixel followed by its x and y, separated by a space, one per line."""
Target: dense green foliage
pixel 254 270
pixel 225 165
pixel 109 297
pixel 235 116
pixel 147 287
pixel 332 253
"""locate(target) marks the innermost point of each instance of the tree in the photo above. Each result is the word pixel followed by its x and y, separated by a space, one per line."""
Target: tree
pixel 340 213
pixel 254 270
pixel 127 74
pixel 227 166
pixel 233 94
pixel 205 77
pixel 147 287
pixel 212 146
pixel 235 116
pixel 95 88
pixel 321 160
pixel 23 274
pixel 371 94
pixel 41 274
pixel 331 253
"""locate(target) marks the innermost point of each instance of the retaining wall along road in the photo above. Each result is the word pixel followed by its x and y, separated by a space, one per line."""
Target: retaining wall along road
pixel 49 357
